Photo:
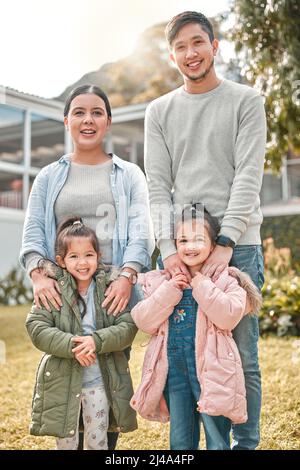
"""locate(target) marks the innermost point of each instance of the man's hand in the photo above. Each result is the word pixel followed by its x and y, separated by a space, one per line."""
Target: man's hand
pixel 85 351
pixel 217 261
pixel 118 293
pixel 45 290
pixel 180 281
pixel 174 265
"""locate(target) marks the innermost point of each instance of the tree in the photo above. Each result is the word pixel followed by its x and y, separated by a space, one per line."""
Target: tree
pixel 267 33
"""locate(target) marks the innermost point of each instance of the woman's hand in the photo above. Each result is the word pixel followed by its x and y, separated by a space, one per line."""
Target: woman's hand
pixel 180 280
pixel 85 351
pixel 118 293
pixel 45 290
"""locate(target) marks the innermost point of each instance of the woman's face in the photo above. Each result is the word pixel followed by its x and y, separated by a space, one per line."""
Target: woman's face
pixel 87 121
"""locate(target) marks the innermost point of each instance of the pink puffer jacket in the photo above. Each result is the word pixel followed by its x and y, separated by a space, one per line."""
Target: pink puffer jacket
pixel 218 363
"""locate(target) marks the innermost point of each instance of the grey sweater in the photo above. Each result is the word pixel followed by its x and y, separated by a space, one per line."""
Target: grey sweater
pixel 207 148
pixel 87 193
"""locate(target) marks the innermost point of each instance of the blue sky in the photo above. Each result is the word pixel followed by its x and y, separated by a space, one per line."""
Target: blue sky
pixel 46 45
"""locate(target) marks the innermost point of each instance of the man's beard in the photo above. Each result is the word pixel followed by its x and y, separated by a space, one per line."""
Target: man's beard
pixel 204 74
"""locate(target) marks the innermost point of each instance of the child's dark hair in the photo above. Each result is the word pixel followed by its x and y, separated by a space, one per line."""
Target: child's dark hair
pixel 179 21
pixel 198 212
pixel 68 229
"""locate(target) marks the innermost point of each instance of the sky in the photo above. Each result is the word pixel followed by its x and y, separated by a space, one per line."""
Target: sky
pixel 47 45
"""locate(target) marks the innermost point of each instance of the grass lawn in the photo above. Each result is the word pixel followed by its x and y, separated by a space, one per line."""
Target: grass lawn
pixel 280 423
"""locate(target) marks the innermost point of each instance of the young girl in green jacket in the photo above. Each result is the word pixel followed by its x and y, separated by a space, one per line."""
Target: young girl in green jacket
pixel 87 350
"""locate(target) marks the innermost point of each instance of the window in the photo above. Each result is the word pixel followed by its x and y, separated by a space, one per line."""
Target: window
pixel 11 134
pixel 271 188
pixel 11 190
pixel 140 155
pixel 129 150
pixel 47 140
pixel 122 148
pixel 293 172
pixel 31 180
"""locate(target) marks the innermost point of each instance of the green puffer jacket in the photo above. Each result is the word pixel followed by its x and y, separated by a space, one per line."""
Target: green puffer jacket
pixel 56 399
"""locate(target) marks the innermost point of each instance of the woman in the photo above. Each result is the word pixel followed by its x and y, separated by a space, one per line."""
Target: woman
pixel 108 193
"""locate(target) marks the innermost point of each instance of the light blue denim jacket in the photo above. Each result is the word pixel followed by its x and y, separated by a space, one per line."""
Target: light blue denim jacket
pixel 133 234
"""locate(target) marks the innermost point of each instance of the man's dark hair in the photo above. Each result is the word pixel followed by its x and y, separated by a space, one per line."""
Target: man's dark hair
pixel 178 21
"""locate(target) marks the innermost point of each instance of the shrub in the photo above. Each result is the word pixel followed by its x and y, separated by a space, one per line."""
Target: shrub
pixel 13 289
pixel 281 293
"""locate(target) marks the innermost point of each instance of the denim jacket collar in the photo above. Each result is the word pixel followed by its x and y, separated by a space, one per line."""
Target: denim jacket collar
pixel 116 160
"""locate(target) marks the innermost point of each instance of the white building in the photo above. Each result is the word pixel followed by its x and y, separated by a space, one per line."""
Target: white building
pixel 32 135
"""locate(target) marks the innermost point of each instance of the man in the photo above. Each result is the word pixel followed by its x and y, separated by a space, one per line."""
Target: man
pixel 205 142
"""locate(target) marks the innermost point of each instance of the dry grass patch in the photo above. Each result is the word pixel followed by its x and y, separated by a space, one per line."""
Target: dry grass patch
pixel 281 401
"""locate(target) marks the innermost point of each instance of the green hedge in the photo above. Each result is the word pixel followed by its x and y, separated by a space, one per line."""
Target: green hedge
pixel 280 313
pixel 281 305
pixel 13 289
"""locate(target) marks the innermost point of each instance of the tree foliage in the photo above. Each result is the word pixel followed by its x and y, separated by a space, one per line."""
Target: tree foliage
pixel 267 33
pixel 142 76
pixel 146 73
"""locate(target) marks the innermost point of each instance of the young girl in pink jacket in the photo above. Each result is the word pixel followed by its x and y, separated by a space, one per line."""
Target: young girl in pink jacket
pixel 192 370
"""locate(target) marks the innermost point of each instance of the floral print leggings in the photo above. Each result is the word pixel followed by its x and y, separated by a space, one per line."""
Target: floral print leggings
pixel 95 413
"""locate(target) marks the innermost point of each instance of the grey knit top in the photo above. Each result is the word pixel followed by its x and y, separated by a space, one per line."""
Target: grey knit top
pixel 87 193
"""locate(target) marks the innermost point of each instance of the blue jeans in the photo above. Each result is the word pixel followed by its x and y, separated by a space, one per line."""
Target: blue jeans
pixel 249 258
pixel 182 389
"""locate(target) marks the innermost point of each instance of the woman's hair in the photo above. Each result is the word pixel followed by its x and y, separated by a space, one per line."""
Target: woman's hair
pixel 198 213
pixel 70 228
pixel 83 90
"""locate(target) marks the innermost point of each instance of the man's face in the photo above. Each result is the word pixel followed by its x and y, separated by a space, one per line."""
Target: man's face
pixel 193 53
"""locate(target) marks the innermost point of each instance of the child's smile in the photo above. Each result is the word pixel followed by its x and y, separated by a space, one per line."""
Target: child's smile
pixel 193 243
pixel 81 261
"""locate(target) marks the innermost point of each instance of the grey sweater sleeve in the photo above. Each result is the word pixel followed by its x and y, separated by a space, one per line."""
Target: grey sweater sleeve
pixel 159 176
pixel 249 166
pixel 133 265
pixel 31 261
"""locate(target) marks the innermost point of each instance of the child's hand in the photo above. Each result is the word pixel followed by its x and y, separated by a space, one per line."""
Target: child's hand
pixel 180 280
pixel 86 360
pixel 85 351
pixel 198 278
